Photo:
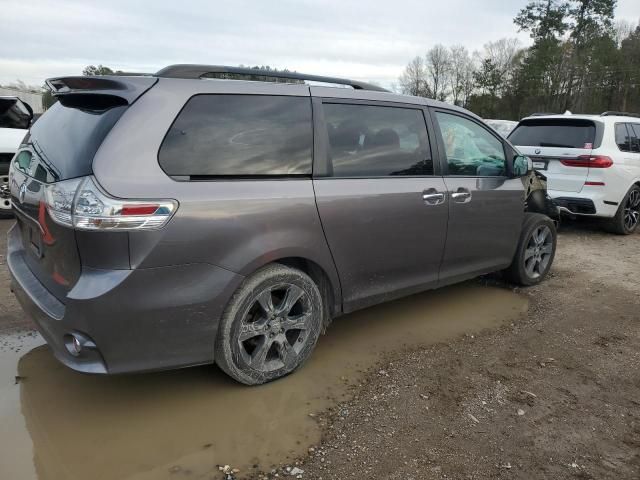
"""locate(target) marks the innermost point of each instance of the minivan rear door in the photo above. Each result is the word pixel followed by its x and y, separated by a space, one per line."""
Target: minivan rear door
pixel 555 145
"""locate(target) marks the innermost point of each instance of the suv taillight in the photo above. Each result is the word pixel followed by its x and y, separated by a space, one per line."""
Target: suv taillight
pixel 79 203
pixel 588 161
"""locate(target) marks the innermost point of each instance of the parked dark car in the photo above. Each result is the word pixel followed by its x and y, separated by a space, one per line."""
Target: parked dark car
pixel 174 219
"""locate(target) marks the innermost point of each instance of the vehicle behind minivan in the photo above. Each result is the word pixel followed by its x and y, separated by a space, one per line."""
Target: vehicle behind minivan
pixel 173 219
pixel 591 162
pixel 15 118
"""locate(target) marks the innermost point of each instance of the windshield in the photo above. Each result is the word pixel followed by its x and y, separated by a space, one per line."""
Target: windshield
pixel 554 133
pixel 14 114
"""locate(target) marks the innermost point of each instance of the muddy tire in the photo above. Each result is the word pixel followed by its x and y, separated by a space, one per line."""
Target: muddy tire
pixel 627 217
pixel 270 326
pixel 535 252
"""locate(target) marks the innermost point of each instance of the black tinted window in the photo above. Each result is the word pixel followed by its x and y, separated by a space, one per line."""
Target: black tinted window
pixel 242 135
pixel 371 141
pixel 622 137
pixel 634 136
pixel 554 133
pixel 65 139
pixel 14 114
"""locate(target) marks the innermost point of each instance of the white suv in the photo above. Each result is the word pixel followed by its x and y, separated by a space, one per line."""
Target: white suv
pixel 592 163
pixel 15 118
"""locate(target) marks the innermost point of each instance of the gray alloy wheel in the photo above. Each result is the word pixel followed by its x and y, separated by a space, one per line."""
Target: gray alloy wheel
pixel 270 326
pixel 535 251
pixel 627 217
pixel 538 253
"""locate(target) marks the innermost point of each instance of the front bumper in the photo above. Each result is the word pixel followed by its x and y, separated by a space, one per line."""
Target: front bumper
pixel 139 320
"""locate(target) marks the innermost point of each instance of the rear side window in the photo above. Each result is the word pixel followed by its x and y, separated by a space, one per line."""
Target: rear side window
pixel 554 133
pixel 627 137
pixel 635 140
pixel 375 141
pixel 623 140
pixel 239 135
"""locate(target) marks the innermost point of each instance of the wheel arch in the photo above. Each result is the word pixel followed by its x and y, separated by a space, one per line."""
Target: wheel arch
pixel 330 292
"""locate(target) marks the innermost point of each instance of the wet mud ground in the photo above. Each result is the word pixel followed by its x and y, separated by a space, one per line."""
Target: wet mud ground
pixel 471 381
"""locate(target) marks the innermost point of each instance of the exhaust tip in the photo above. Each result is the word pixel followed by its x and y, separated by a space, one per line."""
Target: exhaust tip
pixel 73 344
pixel 76 343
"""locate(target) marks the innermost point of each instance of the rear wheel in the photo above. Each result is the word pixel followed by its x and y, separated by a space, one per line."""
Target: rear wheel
pixel 628 215
pixel 535 252
pixel 5 201
pixel 270 326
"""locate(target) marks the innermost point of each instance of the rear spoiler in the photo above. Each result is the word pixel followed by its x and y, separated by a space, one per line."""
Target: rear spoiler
pixel 99 91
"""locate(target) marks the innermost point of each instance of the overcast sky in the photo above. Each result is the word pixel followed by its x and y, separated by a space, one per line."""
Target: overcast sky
pixel 363 39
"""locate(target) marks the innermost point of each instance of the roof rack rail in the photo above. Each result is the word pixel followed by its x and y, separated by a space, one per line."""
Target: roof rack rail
pixel 200 71
pixel 542 114
pixel 619 114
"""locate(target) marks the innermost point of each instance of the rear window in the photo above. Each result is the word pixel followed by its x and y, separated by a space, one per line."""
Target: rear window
pixel 554 133
pixel 239 135
pixel 64 140
pixel 14 114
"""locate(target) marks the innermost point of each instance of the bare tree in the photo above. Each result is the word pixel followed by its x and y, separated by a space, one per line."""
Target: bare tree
pixel 438 65
pixel 460 75
pixel 413 80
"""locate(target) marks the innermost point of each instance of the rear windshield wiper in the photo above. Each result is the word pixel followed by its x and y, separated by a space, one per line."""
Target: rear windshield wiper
pixel 560 145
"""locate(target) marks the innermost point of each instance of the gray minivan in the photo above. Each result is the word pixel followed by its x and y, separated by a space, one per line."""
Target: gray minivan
pixel 191 216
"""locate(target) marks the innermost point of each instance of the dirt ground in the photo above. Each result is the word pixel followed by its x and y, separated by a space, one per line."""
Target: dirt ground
pixel 554 394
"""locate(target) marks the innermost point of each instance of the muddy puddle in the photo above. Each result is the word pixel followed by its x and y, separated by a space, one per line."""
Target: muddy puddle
pixel 56 424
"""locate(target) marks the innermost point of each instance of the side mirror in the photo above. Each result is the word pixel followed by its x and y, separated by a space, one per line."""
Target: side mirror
pixel 521 166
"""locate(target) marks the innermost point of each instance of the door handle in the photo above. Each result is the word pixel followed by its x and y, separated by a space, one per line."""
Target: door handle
pixel 433 197
pixel 462 195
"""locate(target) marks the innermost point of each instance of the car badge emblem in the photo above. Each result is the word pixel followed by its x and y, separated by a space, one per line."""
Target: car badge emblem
pixel 22 192
pixel 538 151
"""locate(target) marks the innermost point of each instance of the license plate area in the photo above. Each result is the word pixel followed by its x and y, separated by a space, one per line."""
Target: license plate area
pixel 539 163
pixel 31 235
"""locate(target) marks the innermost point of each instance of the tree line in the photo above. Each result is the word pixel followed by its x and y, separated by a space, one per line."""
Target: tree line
pixel 580 60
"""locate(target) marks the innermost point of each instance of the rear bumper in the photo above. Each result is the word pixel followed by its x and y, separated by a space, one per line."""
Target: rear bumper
pixel 591 201
pixel 139 320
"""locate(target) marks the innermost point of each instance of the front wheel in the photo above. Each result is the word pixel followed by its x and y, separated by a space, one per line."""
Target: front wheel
pixel 270 326
pixel 535 252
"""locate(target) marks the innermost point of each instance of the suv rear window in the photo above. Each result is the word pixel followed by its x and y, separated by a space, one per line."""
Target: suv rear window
pixel 239 135
pixel 554 133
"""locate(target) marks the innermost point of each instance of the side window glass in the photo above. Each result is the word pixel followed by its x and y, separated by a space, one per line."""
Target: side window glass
pixel 241 135
pixel 471 150
pixel 622 137
pixel 373 141
pixel 634 131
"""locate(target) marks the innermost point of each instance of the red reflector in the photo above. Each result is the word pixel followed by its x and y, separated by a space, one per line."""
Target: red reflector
pixel 588 161
pixel 595 184
pixel 139 209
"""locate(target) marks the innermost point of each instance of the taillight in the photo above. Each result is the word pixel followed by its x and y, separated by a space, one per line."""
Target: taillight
pixel 80 203
pixel 588 161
